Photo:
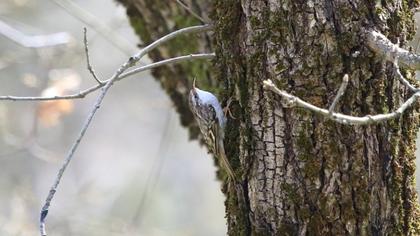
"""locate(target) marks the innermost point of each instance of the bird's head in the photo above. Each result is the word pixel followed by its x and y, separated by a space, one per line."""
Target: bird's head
pixel 194 96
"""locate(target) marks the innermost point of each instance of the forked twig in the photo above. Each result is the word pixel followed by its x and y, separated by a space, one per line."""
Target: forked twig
pixel 89 66
pixel 338 117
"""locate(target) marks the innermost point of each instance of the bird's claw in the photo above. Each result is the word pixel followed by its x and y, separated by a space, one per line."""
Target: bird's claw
pixel 226 109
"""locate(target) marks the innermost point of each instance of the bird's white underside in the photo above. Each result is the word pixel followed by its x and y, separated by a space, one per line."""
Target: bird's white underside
pixel 209 98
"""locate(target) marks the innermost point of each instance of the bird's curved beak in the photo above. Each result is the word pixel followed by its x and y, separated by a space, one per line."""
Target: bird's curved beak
pixel 193 85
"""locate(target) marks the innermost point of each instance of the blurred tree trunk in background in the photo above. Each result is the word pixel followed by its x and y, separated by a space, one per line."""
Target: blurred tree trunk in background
pixel 301 174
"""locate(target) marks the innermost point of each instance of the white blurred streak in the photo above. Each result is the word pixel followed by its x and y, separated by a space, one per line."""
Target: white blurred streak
pixel 108 34
pixel 36 41
pixel 155 171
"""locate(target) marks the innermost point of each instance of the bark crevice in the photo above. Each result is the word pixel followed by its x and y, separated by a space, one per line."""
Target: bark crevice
pixel 302 174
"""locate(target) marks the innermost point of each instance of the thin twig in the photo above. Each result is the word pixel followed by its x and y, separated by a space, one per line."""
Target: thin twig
pixel 417 45
pixel 192 29
pixel 340 93
pixel 57 180
pixel 153 176
pixel 130 62
pixel 401 77
pixel 338 117
pixel 89 66
pixel 78 95
pixel 83 93
pixel 383 46
pixel 88 18
pixel 168 61
pixel 188 9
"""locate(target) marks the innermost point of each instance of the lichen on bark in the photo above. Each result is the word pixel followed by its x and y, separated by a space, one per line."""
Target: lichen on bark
pixel 301 174
pixel 309 174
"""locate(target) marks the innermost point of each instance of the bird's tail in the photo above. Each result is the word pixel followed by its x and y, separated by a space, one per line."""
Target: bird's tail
pixel 225 165
pixel 225 162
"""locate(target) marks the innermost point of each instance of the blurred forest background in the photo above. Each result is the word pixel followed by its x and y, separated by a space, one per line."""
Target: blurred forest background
pixel 135 172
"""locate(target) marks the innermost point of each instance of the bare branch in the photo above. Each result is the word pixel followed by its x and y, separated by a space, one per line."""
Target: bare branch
pixel 53 189
pixel 338 117
pixel 188 9
pixel 83 93
pixel 130 62
pixel 392 53
pixel 384 47
pixel 36 41
pixel 168 61
pixel 89 66
pixel 78 95
pixel 401 77
pixel 192 29
pixel 340 93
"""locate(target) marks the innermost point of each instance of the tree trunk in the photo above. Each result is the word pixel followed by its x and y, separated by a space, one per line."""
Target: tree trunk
pixel 301 174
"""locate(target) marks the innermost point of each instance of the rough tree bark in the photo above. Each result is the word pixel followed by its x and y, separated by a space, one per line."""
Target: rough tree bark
pixel 301 174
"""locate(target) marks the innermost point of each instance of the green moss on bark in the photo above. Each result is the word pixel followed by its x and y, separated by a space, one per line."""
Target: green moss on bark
pixel 310 63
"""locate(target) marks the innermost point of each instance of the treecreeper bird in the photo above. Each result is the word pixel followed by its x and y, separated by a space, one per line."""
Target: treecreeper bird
pixel 212 121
